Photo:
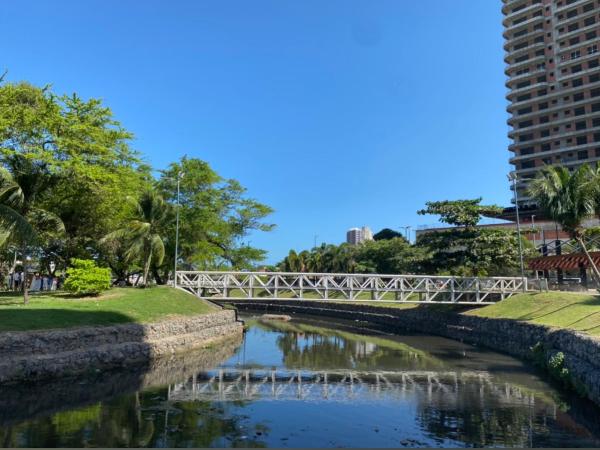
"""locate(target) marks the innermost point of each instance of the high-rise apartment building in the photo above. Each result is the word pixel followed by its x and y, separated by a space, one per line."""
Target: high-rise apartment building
pixel 554 84
pixel 357 235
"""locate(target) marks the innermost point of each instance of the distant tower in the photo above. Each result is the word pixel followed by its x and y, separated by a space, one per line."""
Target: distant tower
pixel 367 234
pixel 355 236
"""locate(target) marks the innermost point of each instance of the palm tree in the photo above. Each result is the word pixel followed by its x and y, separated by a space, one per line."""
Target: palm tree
pixel 21 221
pixel 141 235
pixel 569 199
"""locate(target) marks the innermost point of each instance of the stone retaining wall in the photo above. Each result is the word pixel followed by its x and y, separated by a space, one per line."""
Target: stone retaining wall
pixel 582 352
pixel 43 354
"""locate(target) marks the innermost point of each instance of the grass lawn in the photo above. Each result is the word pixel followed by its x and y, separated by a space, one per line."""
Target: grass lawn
pixel 559 309
pixel 119 305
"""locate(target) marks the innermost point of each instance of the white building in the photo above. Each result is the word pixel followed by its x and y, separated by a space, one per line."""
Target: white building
pixel 357 235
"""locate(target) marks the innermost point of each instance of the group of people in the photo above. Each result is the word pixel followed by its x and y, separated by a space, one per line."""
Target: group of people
pixel 35 282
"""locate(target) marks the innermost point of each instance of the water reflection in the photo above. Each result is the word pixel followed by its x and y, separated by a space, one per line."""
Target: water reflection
pixel 304 383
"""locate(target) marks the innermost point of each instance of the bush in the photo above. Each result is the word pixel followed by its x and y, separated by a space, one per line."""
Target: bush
pixel 84 277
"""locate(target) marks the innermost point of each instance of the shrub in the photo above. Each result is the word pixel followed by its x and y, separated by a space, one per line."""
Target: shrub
pixel 84 277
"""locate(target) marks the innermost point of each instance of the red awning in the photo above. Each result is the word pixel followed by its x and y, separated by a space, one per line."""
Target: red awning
pixel 565 262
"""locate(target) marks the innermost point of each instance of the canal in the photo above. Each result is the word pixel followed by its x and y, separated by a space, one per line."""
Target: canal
pixel 305 383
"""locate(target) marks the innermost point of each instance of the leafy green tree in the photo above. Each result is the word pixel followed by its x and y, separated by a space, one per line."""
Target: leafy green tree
pixel 141 234
pixel 569 199
pixel 390 256
pixel 387 233
pixel 462 213
pixel 81 152
pixel 467 250
pixel 21 220
pixel 216 218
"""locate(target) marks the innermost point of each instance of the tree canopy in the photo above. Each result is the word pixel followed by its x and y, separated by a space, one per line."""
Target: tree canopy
pixel 70 158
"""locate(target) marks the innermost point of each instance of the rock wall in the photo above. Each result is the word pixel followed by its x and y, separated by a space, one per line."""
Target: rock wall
pixel 26 401
pixel 43 354
pixel 582 352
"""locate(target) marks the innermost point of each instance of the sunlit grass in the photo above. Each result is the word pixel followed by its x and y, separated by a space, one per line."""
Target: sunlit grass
pixel 559 309
pixel 119 305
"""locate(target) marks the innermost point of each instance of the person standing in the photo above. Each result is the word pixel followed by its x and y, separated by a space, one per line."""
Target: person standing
pixel 16 281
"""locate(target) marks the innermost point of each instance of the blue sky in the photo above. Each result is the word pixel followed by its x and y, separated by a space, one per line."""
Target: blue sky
pixel 336 113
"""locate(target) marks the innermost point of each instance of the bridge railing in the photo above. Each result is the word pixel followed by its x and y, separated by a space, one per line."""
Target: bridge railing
pixel 349 287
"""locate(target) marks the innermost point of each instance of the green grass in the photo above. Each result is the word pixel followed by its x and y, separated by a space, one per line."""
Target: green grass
pixel 119 305
pixel 558 309
pixel 575 311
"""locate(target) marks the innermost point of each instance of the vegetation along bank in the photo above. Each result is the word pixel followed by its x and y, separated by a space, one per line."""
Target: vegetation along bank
pixel 57 335
pixel 557 331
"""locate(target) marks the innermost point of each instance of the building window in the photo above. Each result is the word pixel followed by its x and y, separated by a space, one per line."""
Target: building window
pixel 576 54
pixel 581 125
pixel 583 154
pixel 581 140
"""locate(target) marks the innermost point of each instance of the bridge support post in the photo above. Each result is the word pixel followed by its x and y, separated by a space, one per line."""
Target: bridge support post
pixel 276 289
pixel 226 285
pixel 326 284
pixel 452 289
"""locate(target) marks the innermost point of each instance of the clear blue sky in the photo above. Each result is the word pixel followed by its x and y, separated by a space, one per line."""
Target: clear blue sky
pixel 336 113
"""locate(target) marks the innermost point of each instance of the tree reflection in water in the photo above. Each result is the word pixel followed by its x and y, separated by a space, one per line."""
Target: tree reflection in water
pixel 159 405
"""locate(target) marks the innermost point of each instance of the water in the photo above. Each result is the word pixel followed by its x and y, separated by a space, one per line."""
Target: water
pixel 305 383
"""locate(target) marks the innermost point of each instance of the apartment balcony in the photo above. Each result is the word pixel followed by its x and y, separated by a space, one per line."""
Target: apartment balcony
pixel 510 30
pixel 576 74
pixel 530 61
pixel 533 74
pixel 522 51
pixel 517 40
pixel 522 90
pixel 511 4
pixel 561 92
pixel 553 137
pixel 571 6
pixel 508 18
pixel 565 21
pixel 565 63
pixel 538 155
pixel 554 123
pixel 579 30
pixel 579 46
pixel 595 159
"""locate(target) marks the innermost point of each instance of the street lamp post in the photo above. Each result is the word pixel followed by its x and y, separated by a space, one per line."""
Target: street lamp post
pixel 179 177
pixel 407 232
pixel 513 177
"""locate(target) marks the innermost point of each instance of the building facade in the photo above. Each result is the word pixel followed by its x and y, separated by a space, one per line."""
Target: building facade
pixel 553 68
pixel 355 236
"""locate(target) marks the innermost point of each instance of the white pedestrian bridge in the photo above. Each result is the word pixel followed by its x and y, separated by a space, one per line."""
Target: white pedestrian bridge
pixel 349 287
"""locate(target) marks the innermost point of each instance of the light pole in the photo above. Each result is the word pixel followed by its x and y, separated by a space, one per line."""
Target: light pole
pixel 407 232
pixel 512 176
pixel 179 177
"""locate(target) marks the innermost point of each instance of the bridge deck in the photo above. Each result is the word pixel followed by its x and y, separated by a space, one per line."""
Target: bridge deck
pixel 349 287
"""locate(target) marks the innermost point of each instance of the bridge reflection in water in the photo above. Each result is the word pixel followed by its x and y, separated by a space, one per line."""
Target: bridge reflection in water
pixel 229 384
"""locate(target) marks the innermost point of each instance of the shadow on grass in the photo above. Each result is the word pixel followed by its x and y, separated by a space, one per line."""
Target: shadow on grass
pixel 25 319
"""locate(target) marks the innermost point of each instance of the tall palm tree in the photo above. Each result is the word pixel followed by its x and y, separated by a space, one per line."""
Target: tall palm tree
pixel 141 234
pixel 569 199
pixel 21 221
